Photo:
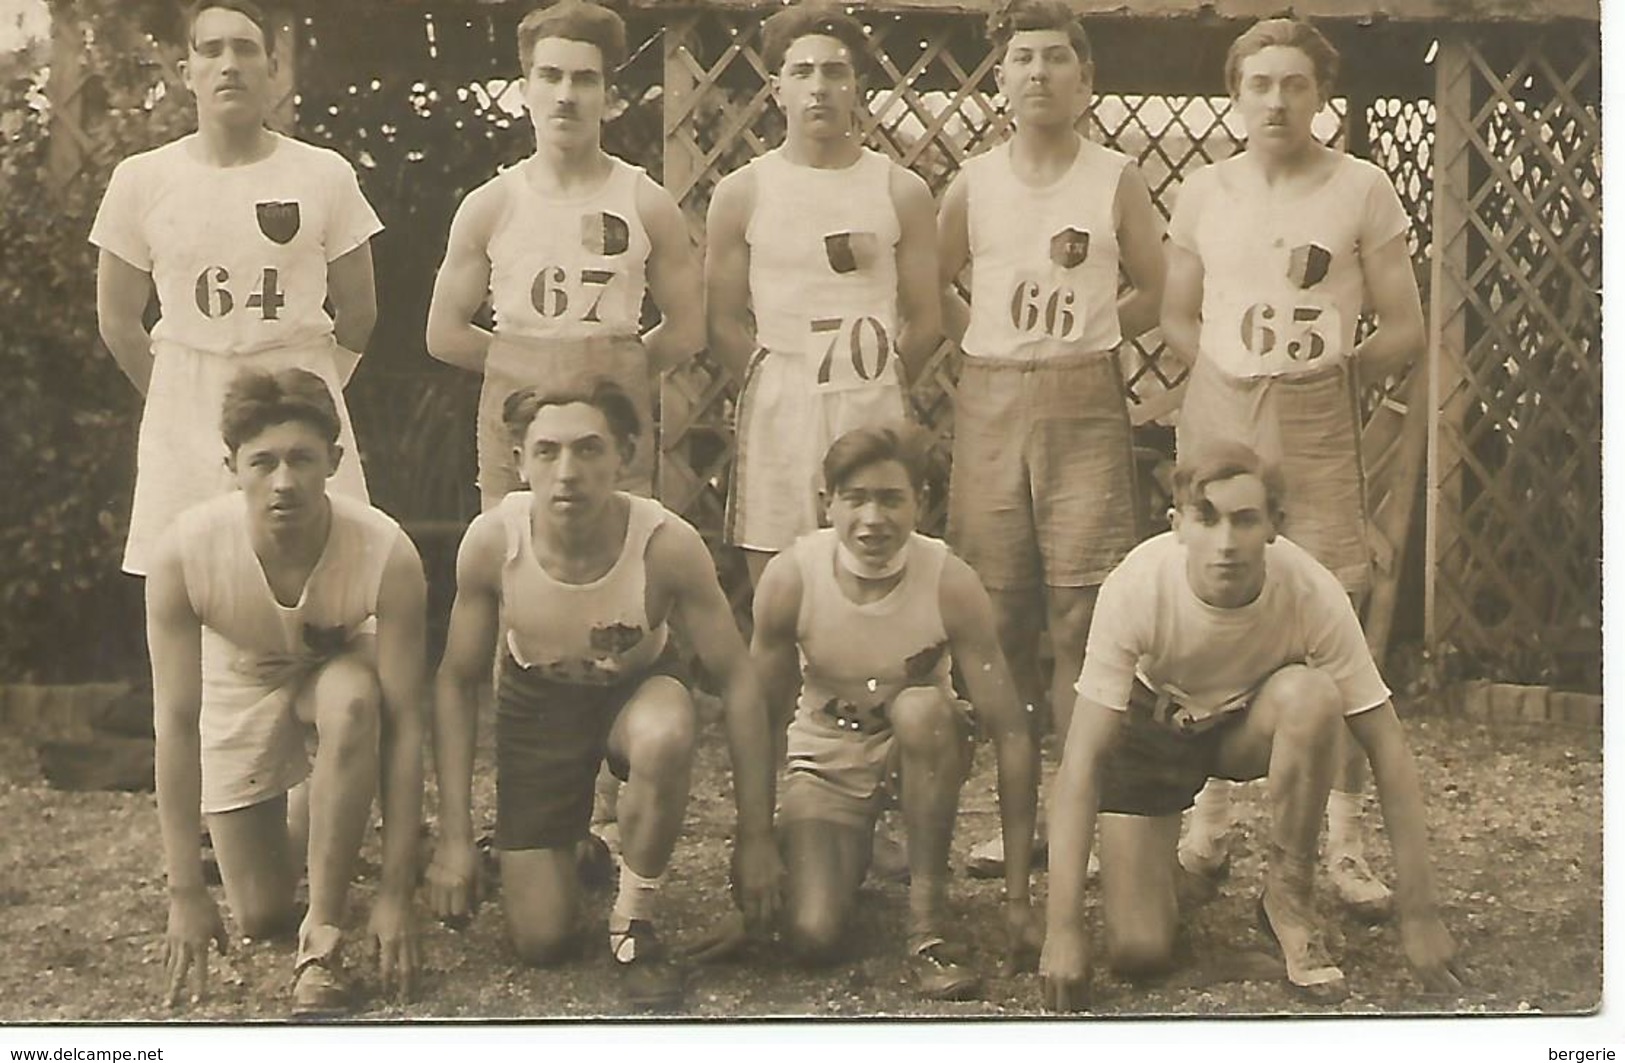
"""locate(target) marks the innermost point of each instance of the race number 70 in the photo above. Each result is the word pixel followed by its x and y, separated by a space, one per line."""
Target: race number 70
pixel 856 352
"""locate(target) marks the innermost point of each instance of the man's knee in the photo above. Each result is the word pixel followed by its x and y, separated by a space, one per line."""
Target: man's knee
pixel 1310 706
pixel 546 946
pixel 814 936
pixel 347 703
pixel 660 735
pixel 1070 611
pixel 1141 952
pixel 923 720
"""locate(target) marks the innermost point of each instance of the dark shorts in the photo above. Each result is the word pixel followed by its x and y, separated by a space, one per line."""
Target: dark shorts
pixel 1154 770
pixel 551 737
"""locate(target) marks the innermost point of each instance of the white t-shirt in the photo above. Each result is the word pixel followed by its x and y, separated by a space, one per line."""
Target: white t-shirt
pixel 1149 622
pixel 238 254
pixel 1282 281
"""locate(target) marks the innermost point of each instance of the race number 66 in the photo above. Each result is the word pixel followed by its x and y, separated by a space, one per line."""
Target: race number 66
pixel 1038 309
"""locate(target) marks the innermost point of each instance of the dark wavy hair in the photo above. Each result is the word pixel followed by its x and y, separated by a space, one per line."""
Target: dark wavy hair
pixel 256 400
pixel 860 448
pixel 1284 33
pixel 247 8
pixel 811 19
pixel 607 397
pixel 575 20
pixel 1225 460
pixel 1019 15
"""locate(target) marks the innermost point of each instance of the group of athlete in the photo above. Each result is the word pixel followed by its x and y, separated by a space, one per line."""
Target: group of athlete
pixel 286 616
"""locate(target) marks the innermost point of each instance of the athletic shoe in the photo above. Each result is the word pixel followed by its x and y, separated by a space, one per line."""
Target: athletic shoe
pixel 1358 889
pixel 987 859
pixel 1309 968
pixel 1204 855
pixel 319 991
pixel 650 979
pixel 888 860
pixel 595 867
pixel 939 973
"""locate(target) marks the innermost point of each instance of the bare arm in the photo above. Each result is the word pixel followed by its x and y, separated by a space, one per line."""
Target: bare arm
pixel 1390 283
pixel 1139 239
pixel 917 302
pixel 461 285
pixel 773 639
pixel 175 643
pixel 401 600
pixel 730 330
pixel 471 640
pixel 401 604
pixel 1182 304
pixel 122 292
pixel 674 279
pixel 953 250
pixel 1074 805
pixel 355 301
pixel 967 613
pixel 1427 944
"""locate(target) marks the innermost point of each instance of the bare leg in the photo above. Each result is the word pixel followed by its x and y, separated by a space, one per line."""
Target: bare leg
pixel 928 734
pixel 258 866
pixel 654 734
pixel 343 702
pixel 1070 611
pixel 1138 891
pixel 542 900
pixel 824 863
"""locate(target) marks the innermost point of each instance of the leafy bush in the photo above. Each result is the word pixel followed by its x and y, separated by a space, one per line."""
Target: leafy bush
pixel 69 426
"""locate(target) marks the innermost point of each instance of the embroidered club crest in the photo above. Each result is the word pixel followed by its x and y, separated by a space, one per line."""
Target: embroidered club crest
pixel 605 234
pixel 1308 265
pixel 615 638
pixel 325 641
pixel 922 664
pixel 279 221
pixel 850 252
pixel 1069 248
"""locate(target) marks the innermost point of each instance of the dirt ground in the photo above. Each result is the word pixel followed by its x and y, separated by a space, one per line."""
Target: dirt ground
pixel 1515 813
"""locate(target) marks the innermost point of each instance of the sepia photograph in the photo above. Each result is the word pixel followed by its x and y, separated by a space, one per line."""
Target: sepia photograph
pixel 542 511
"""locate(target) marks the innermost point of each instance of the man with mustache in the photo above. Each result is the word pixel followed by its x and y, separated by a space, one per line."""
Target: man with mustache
pixel 820 282
pixel 278 615
pixel 1273 255
pixel 1043 500
pixel 564 245
pixel 243 233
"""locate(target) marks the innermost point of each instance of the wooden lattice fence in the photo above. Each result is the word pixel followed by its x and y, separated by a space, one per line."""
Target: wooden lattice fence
pixel 1489 134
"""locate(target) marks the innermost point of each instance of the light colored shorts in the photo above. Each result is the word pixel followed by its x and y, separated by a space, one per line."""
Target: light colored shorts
pixel 254 744
pixel 783 426
pixel 1043 489
pixel 564 363
pixel 1309 427
pixel 838 773
pixel 180 457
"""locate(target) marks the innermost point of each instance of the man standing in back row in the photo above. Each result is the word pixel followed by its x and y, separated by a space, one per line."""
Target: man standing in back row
pixel 564 245
pixel 1043 499
pixel 820 283
pixel 244 234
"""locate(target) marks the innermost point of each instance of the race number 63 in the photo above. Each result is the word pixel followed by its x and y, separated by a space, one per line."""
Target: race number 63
pixel 851 352
pixel 1300 334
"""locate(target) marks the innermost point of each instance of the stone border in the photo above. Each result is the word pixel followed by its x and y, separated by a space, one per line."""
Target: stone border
pixel 38 711
pixel 1481 699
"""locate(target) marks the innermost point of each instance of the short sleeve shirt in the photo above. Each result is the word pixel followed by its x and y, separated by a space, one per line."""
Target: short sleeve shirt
pixel 1282 279
pixel 1150 623
pixel 238 254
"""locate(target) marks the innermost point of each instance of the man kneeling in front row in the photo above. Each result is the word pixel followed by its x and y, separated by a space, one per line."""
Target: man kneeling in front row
pixel 1222 650
pixel 866 619
pixel 276 614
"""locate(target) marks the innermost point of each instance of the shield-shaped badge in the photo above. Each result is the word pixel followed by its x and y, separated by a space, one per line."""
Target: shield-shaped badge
pixel 279 221
pixel 1069 248
pixel 605 234
pixel 1308 265
pixel 850 252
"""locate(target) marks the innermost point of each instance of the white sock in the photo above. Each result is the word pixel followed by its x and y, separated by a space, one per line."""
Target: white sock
pixel 1210 817
pixel 635 899
pixel 1343 824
